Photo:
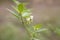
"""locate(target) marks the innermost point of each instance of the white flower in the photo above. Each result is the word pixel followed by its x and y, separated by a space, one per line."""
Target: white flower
pixel 28 19
pixel 31 17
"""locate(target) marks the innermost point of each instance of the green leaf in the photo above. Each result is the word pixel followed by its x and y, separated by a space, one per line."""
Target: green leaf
pixel 25 14
pixel 42 30
pixel 27 10
pixel 13 13
pixel 37 27
pixel 21 7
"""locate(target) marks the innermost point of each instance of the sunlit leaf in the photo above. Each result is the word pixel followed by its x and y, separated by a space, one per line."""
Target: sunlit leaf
pixel 41 30
pixel 27 10
pixel 26 14
pixel 37 27
pixel 21 7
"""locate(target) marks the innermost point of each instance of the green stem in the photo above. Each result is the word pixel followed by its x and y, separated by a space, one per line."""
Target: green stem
pixel 25 26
